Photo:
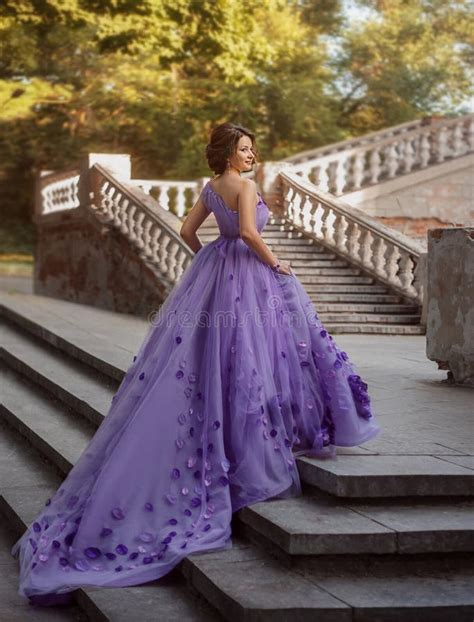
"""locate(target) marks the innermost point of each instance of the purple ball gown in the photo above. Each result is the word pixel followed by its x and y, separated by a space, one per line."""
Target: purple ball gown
pixel 235 377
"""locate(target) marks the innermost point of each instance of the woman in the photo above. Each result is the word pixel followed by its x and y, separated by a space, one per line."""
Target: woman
pixel 235 378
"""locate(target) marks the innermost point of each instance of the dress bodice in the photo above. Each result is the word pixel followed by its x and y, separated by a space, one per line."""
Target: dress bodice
pixel 227 219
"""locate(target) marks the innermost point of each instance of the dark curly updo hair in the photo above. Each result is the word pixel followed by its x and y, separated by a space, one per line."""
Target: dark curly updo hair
pixel 223 143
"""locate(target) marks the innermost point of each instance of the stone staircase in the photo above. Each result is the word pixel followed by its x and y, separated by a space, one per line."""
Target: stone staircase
pixel 347 299
pixel 373 538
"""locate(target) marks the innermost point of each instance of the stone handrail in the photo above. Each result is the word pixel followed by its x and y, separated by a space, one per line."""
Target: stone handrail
pixel 153 231
pixel 57 191
pixel 387 155
pixel 172 196
pixel 388 255
pixel 349 143
pixel 127 205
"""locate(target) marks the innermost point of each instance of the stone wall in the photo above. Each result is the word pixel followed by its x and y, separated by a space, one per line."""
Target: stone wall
pixel 79 260
pixel 450 302
pixel 439 196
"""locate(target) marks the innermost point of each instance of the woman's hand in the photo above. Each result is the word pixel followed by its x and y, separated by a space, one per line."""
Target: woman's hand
pixel 285 268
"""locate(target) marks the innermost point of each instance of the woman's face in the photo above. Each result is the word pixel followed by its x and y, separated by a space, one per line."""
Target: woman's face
pixel 244 157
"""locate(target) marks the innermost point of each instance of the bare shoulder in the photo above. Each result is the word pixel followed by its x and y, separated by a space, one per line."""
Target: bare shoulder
pixel 248 188
pixel 248 184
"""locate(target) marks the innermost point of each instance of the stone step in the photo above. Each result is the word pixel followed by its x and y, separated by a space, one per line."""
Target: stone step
pixel 13 502
pixel 351 307
pixel 378 329
pixel 387 476
pixel 344 288
pixel 335 280
pixel 370 318
pixel 324 525
pixel 78 386
pixel 217 576
pixel 303 272
pixel 304 253
pixel 299 245
pixel 245 584
pixel 42 317
pixel 325 261
pixel 285 234
pixel 25 483
pixel 27 410
pixel 348 298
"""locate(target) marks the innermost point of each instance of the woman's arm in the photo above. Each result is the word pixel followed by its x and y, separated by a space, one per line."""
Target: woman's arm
pixel 194 219
pixel 248 229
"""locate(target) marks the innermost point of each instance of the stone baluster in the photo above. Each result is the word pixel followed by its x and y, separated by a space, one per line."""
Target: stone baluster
pixel 406 266
pixel 327 230
pixel 164 240
pixel 340 226
pixel 138 225
pixel 408 155
pixel 391 160
pixel 378 261
pixel 146 237
pixel 353 239
pixel 313 216
pixel 425 150
pixel 323 177
pixel 104 206
pixel 317 222
pixel 357 177
pixel 180 202
pixel 365 248
pixel 375 165
pixel 306 214
pixel 391 268
pixel 459 147
pixel 441 144
pixel 154 243
pixel 163 197
pixel 130 223
pixel 419 276
pixel 116 207
pixel 123 216
pixel 172 248
pixel 299 208
pixel 339 180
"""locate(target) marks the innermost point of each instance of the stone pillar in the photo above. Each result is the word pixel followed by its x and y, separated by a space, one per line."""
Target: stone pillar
pixel 267 176
pixel 119 164
pixel 450 304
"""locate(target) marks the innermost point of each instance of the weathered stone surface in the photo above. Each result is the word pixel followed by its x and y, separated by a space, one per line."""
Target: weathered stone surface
pixel 392 599
pixel 263 590
pixel 450 292
pixel 306 526
pixel 387 476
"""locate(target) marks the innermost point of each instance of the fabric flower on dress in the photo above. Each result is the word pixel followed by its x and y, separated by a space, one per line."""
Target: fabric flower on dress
pixel 362 399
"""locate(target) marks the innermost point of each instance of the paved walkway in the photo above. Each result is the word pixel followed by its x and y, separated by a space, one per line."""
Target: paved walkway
pixel 419 412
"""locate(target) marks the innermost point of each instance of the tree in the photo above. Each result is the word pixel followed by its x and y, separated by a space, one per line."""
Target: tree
pixel 410 59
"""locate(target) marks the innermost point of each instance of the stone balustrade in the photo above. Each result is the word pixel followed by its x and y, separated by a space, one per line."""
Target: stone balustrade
pixel 388 255
pixel 384 156
pixel 365 139
pixel 126 205
pixel 57 191
pixel 176 197
pixel 154 234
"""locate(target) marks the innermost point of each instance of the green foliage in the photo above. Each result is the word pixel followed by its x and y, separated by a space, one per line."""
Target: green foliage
pixel 411 58
pixel 151 78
